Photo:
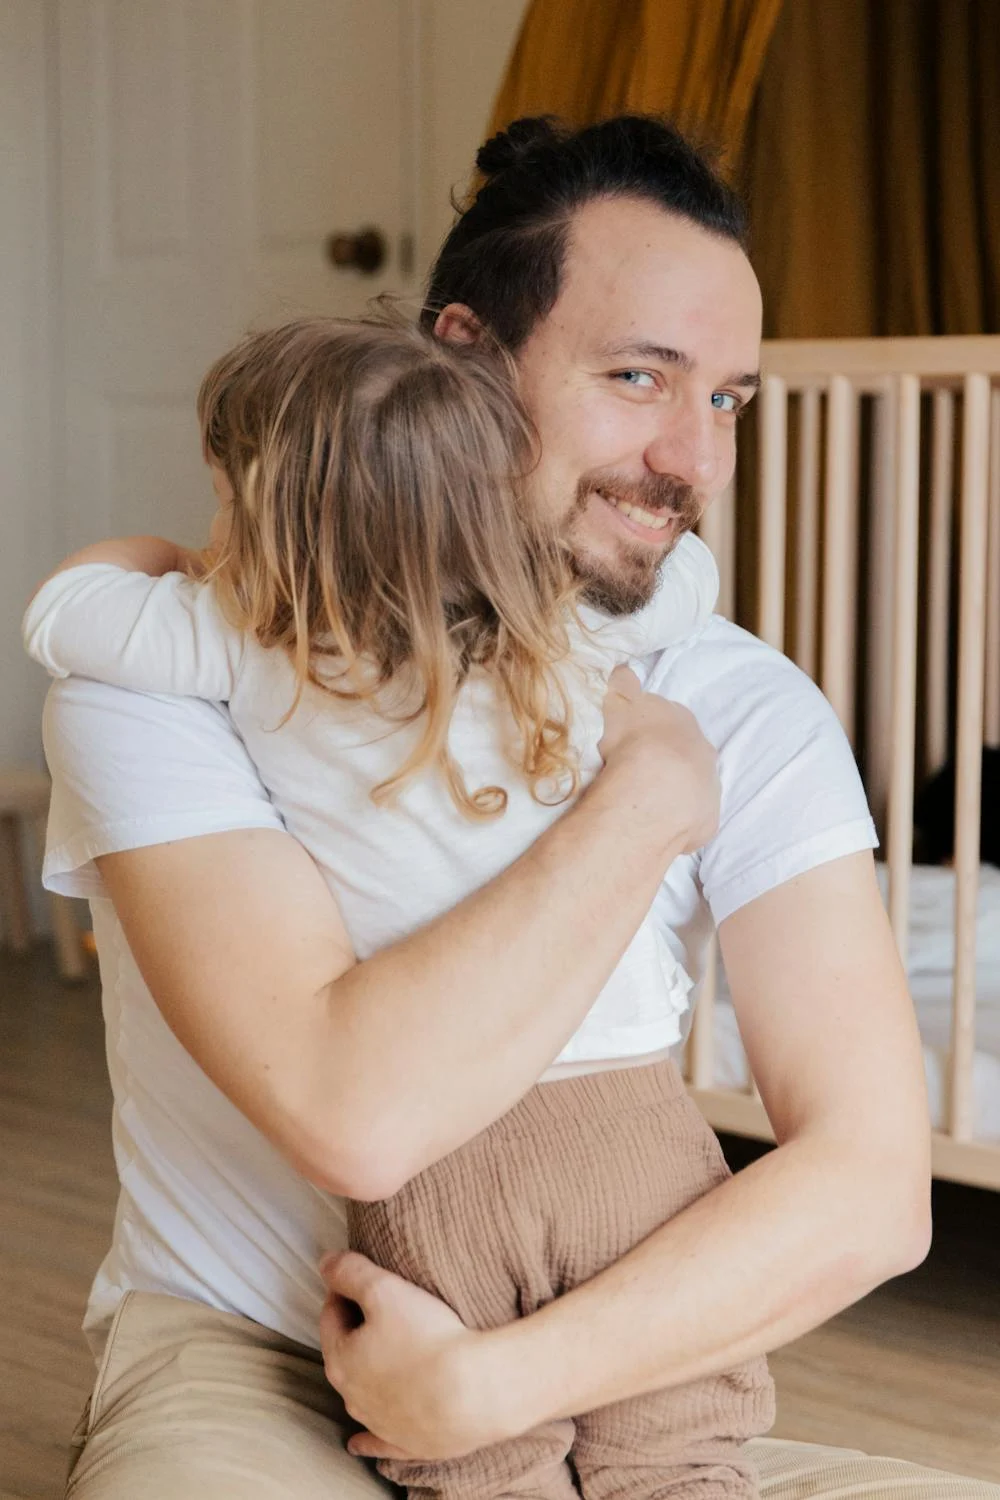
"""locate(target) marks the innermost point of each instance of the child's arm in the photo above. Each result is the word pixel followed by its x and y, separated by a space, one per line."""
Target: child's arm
pixel 136 554
pixel 94 618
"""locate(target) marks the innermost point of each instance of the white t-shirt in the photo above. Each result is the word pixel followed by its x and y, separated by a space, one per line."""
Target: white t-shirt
pixel 392 868
pixel 209 1209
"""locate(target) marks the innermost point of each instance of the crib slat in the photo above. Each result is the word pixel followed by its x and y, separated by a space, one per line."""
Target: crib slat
pixel 904 655
pixel 939 579
pixel 701 1041
pixel 807 532
pixel 971 651
pixel 881 547
pixel 840 551
pixel 992 718
pixel 717 529
pixel 773 510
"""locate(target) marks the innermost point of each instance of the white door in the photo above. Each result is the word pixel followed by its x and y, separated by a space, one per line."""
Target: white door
pixel 209 148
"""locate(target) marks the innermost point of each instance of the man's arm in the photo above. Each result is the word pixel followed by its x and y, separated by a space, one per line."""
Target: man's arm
pixel 364 1074
pixel 841 1205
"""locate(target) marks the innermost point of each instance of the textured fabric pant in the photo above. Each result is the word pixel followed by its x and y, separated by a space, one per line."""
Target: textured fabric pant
pixel 565 1184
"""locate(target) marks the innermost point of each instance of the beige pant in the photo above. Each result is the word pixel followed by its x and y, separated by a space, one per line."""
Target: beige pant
pixel 564 1185
pixel 192 1404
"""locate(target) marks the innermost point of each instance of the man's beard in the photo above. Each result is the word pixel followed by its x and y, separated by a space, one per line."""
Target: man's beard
pixel 628 582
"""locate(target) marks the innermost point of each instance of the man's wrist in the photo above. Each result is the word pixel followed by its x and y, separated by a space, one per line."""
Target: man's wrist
pixel 519 1378
pixel 643 806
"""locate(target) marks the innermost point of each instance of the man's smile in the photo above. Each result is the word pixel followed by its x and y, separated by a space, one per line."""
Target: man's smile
pixel 658 528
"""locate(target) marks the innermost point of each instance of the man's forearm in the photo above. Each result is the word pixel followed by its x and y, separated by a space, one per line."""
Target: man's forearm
pixel 446 1030
pixel 767 1256
pixel 363 1074
pixel 842 1204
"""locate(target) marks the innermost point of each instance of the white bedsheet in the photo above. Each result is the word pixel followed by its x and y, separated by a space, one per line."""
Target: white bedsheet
pixel 930 963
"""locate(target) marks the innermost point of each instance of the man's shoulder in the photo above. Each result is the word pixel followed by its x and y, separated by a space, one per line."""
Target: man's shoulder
pixel 84 718
pixel 792 798
pixel 725 676
pixel 133 769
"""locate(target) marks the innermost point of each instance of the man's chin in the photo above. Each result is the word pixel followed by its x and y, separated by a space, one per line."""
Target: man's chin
pixel 617 591
pixel 619 579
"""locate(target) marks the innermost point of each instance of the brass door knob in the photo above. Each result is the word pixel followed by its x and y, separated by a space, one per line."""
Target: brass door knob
pixel 365 251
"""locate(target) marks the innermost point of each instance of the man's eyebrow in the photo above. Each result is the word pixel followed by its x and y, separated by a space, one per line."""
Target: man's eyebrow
pixel 644 350
pixel 676 357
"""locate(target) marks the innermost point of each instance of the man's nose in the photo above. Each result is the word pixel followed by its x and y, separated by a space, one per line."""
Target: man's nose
pixel 686 445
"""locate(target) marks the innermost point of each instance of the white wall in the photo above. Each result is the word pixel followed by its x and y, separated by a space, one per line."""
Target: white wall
pixel 28 543
pixel 466 47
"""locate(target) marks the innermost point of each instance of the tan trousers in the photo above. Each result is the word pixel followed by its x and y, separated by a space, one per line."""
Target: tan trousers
pixel 192 1404
pixel 565 1184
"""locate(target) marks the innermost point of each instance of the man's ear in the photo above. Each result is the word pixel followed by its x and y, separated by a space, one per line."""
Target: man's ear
pixel 457 324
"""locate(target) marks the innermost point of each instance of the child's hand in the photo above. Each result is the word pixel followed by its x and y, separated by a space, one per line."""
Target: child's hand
pixel 197 563
pixel 136 554
pixel 218 536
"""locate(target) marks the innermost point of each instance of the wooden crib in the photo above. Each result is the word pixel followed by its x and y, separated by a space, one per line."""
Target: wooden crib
pixel 876 551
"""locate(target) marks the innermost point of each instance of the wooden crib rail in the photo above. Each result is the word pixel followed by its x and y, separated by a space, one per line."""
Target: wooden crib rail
pixel 877 517
pixel 868 362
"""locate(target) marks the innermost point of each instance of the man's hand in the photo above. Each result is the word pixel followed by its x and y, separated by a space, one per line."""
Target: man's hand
pixel 659 747
pixel 411 1373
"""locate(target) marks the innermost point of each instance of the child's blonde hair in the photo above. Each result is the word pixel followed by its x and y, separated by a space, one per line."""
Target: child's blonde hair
pixel 378 524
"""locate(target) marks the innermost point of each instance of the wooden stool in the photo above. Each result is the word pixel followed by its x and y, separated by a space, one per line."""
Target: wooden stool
pixel 24 801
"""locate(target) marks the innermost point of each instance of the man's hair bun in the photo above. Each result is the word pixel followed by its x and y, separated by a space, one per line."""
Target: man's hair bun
pixel 521 139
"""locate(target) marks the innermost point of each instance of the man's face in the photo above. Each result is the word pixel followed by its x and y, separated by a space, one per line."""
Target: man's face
pixel 635 380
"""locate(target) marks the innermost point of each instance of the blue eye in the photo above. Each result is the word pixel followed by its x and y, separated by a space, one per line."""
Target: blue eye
pixel 633 377
pixel 718 397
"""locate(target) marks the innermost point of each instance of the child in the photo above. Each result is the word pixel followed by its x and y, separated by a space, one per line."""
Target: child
pixel 396 633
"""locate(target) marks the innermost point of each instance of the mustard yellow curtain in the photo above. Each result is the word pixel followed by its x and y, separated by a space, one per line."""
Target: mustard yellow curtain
pixel 866 131
pixel 697 61
pixel 872 172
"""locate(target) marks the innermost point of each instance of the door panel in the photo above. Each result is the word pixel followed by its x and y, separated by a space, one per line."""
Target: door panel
pixel 329 143
pixel 209 147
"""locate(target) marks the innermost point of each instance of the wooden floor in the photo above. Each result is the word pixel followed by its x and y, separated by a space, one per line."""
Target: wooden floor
pixel 913 1371
pixel 57 1197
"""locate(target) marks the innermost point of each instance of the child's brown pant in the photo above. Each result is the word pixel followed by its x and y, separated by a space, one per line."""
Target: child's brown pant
pixel 565 1184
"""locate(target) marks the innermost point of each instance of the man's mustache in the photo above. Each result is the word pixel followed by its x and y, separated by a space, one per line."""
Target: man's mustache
pixel 654 492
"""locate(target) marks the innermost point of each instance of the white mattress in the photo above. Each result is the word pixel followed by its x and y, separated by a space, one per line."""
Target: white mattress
pixel 930 964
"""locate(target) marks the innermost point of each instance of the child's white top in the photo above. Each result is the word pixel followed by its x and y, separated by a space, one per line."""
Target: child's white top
pixel 391 868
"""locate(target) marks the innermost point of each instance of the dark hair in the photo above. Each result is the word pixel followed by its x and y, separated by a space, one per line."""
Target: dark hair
pixel 504 255
pixel 934 814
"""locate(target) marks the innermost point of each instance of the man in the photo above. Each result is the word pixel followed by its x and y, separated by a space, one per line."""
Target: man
pixel 611 264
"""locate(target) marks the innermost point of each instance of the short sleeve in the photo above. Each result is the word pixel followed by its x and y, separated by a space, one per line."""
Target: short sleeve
pixel 131 769
pixel 792 798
